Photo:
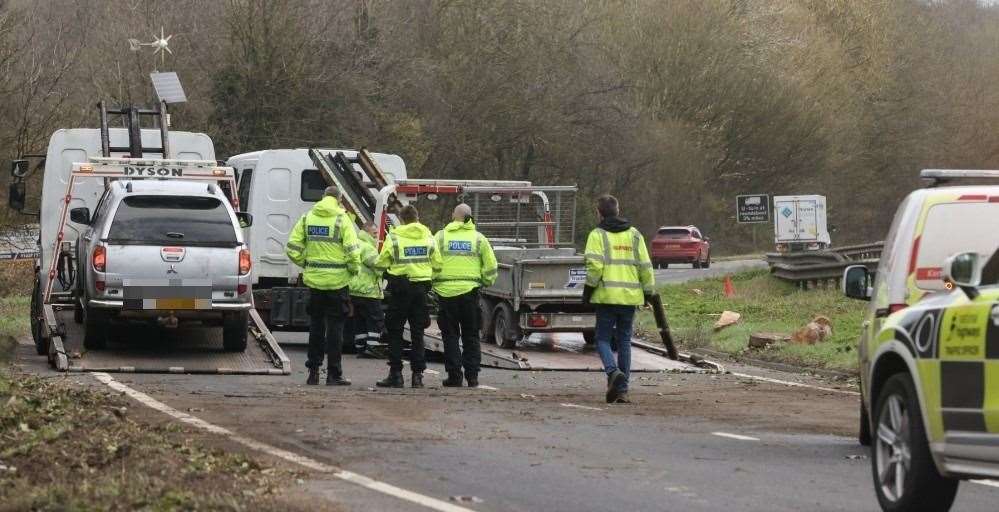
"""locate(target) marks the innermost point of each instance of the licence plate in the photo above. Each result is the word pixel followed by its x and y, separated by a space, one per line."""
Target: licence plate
pixel 177 304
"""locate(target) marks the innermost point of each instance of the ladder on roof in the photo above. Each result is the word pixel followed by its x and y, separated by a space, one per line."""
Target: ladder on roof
pixel 338 169
pixel 132 119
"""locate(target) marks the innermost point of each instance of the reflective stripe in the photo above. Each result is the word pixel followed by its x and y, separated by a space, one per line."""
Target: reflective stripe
pixel 295 247
pixel 457 278
pixel 592 256
pixel 634 247
pixel 362 336
pixel 630 263
pixel 407 261
pixel 395 246
pixel 621 284
pixel 607 244
pixel 317 238
pixel 310 264
pixel 462 254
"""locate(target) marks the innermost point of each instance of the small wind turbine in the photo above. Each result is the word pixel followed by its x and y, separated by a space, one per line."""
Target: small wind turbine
pixel 160 45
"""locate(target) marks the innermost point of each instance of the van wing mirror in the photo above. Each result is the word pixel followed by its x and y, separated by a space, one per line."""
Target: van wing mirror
pixel 857 282
pixel 16 196
pixel 245 219
pixel 965 271
pixel 80 215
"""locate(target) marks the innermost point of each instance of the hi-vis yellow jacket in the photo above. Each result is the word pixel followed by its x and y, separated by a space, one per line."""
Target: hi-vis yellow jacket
pixel 410 251
pixel 367 282
pixel 618 266
pixel 467 259
pixel 324 243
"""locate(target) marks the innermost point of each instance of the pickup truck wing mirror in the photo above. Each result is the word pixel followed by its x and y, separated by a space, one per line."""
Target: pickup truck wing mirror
pixel 80 215
pixel 245 219
pixel 857 282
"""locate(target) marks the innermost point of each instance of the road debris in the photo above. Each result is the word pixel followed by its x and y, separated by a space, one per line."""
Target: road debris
pixel 726 319
pixel 467 499
pixel 818 330
pixel 762 340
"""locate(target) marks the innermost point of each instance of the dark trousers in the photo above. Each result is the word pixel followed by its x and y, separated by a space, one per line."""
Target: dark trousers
pixel 368 321
pixel 459 317
pixel 407 303
pixel 327 314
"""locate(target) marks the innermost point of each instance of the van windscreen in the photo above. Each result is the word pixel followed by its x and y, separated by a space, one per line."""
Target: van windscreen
pixel 172 220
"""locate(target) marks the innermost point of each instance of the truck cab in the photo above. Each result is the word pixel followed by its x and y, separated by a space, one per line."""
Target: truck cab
pixel 929 342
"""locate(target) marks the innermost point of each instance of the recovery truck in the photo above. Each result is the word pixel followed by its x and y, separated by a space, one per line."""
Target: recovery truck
pixel 540 283
pixel 79 165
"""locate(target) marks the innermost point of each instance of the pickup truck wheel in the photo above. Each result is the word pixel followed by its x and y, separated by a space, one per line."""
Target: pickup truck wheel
pixel 905 476
pixel 486 307
pixel 95 329
pixel 506 330
pixel 41 343
pixel 234 331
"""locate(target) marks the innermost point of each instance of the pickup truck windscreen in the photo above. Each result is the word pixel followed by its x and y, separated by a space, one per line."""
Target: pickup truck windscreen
pixel 951 228
pixel 172 220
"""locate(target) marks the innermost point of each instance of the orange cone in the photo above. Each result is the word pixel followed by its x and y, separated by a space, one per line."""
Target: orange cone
pixel 729 288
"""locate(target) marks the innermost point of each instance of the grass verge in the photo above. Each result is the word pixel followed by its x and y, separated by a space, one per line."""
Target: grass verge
pixel 766 305
pixel 63 447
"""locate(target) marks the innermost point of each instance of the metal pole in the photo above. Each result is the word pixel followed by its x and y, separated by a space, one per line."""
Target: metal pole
pixel 164 129
pixel 105 136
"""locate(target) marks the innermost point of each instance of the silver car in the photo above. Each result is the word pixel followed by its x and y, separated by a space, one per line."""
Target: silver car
pixel 166 253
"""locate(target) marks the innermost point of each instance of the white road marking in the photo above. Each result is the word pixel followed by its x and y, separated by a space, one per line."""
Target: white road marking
pixel 990 483
pixel 587 407
pixel 349 476
pixel 796 384
pixel 735 436
pixel 489 388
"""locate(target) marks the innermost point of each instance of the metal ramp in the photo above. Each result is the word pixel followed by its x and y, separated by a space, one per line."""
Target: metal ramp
pixel 136 349
pixel 568 352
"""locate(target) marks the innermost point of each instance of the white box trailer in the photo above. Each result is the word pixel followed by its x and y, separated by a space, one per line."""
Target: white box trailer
pixel 800 223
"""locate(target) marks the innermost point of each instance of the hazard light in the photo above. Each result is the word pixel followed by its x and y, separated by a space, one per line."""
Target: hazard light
pixel 86 168
pixel 218 172
pixel 537 320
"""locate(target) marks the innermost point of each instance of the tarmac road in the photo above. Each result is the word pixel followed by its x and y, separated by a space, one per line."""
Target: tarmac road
pixel 546 440
pixel 683 273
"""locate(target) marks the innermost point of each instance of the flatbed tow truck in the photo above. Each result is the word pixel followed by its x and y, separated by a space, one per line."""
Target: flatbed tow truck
pixel 538 295
pixel 74 178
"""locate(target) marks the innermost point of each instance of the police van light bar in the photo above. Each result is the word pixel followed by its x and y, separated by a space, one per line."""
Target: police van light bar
pixel 954 174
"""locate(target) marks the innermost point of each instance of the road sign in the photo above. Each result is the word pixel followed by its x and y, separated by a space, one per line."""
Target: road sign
pixel 752 208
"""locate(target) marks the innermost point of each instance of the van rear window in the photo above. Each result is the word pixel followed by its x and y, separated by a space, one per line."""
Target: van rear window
pixel 313 185
pixel 673 233
pixel 172 220
pixel 951 228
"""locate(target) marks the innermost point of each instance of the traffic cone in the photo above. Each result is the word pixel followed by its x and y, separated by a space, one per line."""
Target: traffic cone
pixel 729 288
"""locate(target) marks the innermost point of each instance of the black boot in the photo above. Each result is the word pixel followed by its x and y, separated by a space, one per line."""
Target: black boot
pixel 454 380
pixel 336 380
pixel 417 380
pixel 313 377
pixel 473 379
pixel 394 380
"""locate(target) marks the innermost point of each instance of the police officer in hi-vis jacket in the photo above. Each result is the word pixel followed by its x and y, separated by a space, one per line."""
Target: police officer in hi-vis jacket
pixel 467 264
pixel 410 255
pixel 324 243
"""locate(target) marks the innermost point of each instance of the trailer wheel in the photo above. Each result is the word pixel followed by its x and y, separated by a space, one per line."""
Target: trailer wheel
pixel 486 307
pixel 95 329
pixel 234 331
pixel 506 330
pixel 41 343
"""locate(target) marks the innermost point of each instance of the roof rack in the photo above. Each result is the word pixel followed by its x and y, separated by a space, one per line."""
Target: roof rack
pixel 944 176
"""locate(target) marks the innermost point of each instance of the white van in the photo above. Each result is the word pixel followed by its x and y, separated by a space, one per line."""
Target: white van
pixel 278 186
